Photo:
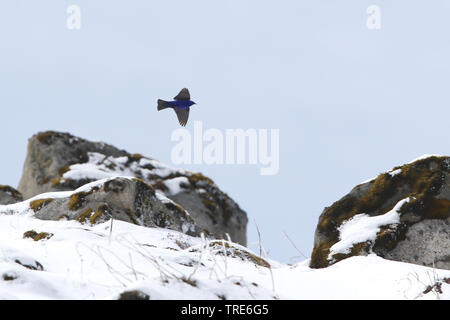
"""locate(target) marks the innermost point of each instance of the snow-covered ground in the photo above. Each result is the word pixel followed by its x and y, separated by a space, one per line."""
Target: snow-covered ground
pixel 80 261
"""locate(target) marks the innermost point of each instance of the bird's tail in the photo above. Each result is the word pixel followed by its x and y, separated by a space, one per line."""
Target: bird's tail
pixel 163 104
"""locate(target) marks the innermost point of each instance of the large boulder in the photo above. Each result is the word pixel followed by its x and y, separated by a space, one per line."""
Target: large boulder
pixel 9 195
pixel 401 215
pixel 58 161
pixel 130 200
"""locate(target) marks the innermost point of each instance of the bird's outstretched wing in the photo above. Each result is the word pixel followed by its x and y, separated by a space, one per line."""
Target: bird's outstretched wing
pixel 183 95
pixel 183 115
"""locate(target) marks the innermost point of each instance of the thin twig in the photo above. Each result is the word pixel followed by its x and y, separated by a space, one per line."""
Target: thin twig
pixel 271 273
pixel 259 237
pixel 132 267
pixel 110 231
pixel 293 244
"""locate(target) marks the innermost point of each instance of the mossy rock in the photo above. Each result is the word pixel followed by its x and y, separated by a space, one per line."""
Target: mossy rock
pixel 361 248
pixel 47 136
pixel 135 157
pixel 85 215
pixel 51 154
pixel 423 182
pixel 160 185
pixel 11 191
pixel 102 212
pixel 198 177
pixel 388 237
pixel 63 216
pixel 36 236
pixel 43 236
pixel 175 207
pixel 134 295
pixel 211 205
pixel 78 199
pixel 61 171
pixel 37 205
pixel 237 252
pixel 30 234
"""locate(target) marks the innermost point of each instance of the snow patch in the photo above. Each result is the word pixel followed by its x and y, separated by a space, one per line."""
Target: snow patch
pixel 395 172
pixel 100 166
pixel 174 185
pixel 362 228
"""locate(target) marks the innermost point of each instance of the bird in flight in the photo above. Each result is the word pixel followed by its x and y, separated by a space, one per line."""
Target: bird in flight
pixel 181 104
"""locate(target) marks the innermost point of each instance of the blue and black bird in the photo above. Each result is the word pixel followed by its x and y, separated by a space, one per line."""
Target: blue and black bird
pixel 181 104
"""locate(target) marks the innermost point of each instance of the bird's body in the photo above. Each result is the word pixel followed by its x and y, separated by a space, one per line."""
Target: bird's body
pixel 181 105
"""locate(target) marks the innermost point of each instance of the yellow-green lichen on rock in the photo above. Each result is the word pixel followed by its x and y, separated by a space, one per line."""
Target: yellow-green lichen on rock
pixel 37 205
pixel 36 236
pixel 101 212
pixel 197 177
pixel 9 195
pixel 237 252
pixel 85 215
pixel 78 199
pixel 45 137
pixel 10 190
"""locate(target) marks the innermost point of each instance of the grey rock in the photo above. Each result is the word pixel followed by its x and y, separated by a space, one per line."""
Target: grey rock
pixel 49 154
pixel 129 200
pixel 426 242
pixel 53 159
pixel 422 235
pixel 9 195
pixel 213 210
pixel 133 295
